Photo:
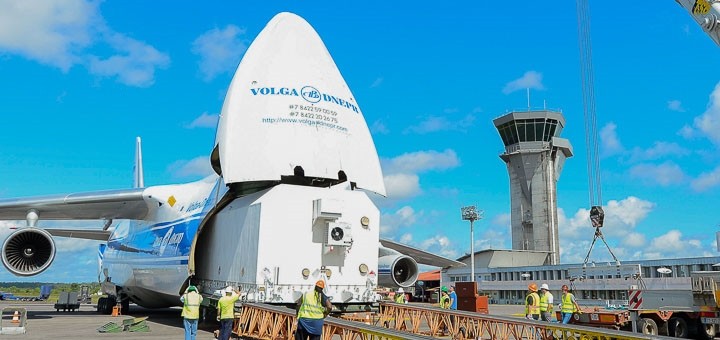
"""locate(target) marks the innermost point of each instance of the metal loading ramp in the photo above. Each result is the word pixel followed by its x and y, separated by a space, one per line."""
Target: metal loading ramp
pixel 462 325
pixel 412 321
pixel 262 321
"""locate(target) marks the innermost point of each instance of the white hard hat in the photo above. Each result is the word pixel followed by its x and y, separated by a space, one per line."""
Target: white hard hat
pixel 544 286
pixel 228 289
pixel 400 290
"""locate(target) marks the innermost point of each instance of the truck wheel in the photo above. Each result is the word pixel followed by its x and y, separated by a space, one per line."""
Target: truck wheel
pixel 706 331
pixel 125 306
pixel 678 327
pixel 647 326
pixel 101 304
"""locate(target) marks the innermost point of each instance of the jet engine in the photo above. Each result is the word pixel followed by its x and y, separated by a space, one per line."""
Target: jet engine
pixel 28 251
pixel 397 271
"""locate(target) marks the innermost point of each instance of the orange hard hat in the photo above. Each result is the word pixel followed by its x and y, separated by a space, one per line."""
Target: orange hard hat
pixel 320 284
pixel 532 287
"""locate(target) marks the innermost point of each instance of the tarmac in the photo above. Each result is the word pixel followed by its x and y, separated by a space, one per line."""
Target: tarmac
pixel 44 322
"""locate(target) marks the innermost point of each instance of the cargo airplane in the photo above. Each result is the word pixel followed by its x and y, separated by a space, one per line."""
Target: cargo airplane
pixel 287 205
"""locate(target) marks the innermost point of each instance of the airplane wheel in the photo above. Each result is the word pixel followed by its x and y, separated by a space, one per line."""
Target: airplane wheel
pixel 678 328
pixel 647 326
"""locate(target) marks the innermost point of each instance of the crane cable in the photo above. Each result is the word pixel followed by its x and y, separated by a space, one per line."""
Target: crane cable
pixel 587 79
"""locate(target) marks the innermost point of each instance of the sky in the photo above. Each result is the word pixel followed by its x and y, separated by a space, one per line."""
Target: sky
pixel 81 79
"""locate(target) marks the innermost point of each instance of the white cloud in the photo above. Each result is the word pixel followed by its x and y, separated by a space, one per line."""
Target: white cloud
pixel 196 167
pixel 491 238
pixel 665 174
pixel 377 82
pixel 531 80
pixel 621 217
pixel 135 67
pixel 627 212
pixel 687 132
pixel 609 142
pixel 675 105
pixel 439 244
pixel 709 122
pixel 706 180
pixel 571 227
pixel 502 220
pixel 406 238
pixel 61 33
pixel 205 120
pixel 672 244
pixel 441 123
pixel 634 240
pixel 220 50
pixel 50 32
pixel 379 127
pixel 400 186
pixel 421 161
pixel 657 151
pixel 403 217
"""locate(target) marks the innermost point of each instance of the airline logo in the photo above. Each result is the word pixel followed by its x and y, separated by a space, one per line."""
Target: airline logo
pixel 170 239
pixel 308 93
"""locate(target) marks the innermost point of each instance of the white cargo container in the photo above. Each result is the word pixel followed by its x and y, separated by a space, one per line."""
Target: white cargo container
pixel 277 243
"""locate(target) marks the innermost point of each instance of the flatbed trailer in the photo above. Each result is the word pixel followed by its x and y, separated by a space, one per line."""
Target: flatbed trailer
pixel 679 313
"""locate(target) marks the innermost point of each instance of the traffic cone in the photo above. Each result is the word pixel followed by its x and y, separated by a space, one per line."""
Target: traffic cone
pixel 16 317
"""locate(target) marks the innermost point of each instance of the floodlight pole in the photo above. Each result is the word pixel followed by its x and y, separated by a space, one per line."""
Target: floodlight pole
pixel 470 213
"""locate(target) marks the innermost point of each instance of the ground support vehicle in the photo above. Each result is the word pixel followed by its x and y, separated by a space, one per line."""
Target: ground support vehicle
pixel 67 301
pixel 679 313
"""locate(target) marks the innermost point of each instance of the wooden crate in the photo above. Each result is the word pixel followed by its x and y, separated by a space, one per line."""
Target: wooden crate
pixel 477 304
pixel 466 289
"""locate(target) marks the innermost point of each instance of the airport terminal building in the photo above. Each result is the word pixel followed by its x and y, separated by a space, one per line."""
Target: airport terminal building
pixel 504 275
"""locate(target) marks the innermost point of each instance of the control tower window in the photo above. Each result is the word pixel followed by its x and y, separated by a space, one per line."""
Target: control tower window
pixel 503 131
pixel 508 133
pixel 521 131
pixel 539 126
pixel 513 133
pixel 550 130
pixel 530 130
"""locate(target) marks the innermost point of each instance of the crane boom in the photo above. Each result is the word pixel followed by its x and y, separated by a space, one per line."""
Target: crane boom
pixel 707 14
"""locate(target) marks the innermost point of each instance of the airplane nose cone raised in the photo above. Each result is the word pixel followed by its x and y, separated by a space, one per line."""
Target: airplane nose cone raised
pixel 288 106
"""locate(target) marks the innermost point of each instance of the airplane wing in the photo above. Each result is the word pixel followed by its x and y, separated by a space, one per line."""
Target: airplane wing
pixel 113 204
pixel 421 256
pixel 89 234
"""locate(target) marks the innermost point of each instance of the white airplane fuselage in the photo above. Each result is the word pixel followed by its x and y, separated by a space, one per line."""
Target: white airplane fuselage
pixel 149 258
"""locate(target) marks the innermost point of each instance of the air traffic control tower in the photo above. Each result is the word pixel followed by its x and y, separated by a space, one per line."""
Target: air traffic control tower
pixel 534 155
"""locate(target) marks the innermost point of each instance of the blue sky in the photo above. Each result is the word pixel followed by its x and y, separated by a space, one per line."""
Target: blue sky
pixel 81 79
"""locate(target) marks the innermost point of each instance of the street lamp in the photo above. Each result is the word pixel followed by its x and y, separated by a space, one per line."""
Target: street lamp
pixel 470 213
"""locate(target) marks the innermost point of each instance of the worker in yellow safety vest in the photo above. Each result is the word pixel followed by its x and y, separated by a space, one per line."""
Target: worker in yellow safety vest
pixel 400 296
pixel 191 300
pixel 568 305
pixel 532 303
pixel 226 312
pixel 312 307
pixel 444 298
pixel 546 303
